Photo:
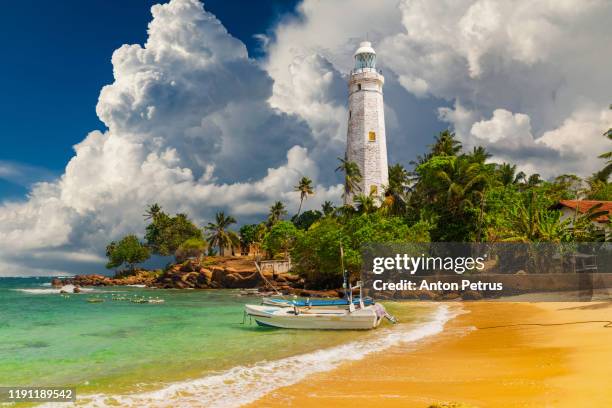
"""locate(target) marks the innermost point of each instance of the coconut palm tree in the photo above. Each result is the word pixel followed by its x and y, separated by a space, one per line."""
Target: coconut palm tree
pixel 277 212
pixel 328 208
pixel 152 211
pixel 506 174
pixel 219 235
pixel 445 144
pixel 366 204
pixel 305 189
pixel 352 176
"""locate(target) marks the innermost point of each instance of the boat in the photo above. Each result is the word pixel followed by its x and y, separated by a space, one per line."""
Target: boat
pixel 353 315
pixel 366 318
pixel 315 302
pixel 156 301
pixel 249 292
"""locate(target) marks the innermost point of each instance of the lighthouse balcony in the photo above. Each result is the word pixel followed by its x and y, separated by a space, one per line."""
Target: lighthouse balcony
pixel 362 70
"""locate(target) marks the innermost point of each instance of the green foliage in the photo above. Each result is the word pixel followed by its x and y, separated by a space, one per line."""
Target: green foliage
pixel 127 251
pixel 280 239
pixel 277 212
pixel 191 248
pixel 164 233
pixel 248 234
pixel 219 235
pixel 306 219
pixel 328 209
pixel 352 176
pixel 316 254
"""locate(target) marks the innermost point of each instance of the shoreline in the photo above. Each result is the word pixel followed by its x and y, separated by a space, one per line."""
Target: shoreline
pixel 517 354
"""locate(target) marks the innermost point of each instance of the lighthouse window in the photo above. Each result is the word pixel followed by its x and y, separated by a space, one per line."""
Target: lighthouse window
pixel 350 114
pixel 359 87
pixel 372 136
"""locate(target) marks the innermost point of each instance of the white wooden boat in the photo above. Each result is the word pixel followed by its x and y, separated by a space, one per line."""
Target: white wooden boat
pixel 331 316
pixel 368 317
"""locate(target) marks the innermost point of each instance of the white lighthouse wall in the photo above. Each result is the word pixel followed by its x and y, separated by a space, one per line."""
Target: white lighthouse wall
pixel 367 114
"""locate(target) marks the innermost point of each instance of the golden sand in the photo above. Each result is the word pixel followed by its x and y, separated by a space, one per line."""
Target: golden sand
pixel 559 364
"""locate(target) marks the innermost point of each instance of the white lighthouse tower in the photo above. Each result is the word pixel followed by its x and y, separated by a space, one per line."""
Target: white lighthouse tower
pixel 366 141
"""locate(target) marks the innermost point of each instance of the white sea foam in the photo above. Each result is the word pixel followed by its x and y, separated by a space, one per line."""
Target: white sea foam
pixel 47 291
pixel 244 384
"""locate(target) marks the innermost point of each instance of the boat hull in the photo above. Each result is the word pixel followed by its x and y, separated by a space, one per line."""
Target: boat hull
pixel 320 319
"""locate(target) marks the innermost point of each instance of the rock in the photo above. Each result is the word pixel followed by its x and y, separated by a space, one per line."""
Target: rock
pixel 471 295
pixel 426 295
pixel 77 289
pixel 56 283
pixel 450 296
pixel 207 274
pixel 290 277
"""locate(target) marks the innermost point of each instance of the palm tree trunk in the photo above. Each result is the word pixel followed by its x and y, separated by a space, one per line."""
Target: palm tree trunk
pixel 300 208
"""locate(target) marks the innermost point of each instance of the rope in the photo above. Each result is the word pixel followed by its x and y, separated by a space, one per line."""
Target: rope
pixel 265 279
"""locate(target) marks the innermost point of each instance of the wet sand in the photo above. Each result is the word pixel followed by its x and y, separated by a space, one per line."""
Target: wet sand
pixel 499 354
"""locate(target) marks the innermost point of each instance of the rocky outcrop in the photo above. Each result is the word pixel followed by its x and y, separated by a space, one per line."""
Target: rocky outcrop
pixel 220 274
pixel 192 275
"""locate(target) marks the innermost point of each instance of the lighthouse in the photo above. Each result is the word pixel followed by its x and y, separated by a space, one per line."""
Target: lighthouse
pixel 366 142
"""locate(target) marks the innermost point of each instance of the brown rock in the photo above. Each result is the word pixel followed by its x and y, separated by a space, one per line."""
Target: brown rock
pixel 471 295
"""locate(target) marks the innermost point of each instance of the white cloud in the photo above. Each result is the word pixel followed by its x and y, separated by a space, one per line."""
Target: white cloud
pixel 189 127
pixel 516 72
pixel 23 174
pixel 197 126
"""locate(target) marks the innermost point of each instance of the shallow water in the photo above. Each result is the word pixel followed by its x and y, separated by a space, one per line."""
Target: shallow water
pixel 195 339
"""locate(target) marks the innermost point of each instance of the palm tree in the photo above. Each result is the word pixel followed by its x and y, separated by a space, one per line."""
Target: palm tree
pixel 461 182
pixel 506 174
pixel 352 176
pixel 327 208
pixel 152 211
pixel 305 189
pixel 277 212
pixel 479 155
pixel 532 223
pixel 366 204
pixel 219 235
pixel 394 202
pixel 445 144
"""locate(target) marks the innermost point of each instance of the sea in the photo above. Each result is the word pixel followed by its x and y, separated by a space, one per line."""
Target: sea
pixel 195 349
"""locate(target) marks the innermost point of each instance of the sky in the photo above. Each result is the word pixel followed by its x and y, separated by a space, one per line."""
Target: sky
pixel 57 60
pixel 109 106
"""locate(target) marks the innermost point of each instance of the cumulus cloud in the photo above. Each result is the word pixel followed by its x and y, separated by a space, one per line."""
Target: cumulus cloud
pixel 188 126
pixel 513 76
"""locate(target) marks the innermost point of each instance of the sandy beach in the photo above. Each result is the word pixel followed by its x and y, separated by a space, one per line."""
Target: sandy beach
pixel 498 354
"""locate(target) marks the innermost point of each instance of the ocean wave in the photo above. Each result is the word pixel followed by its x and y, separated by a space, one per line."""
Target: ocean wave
pixel 49 291
pixel 245 384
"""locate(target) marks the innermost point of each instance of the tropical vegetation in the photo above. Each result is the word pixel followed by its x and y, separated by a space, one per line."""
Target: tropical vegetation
pixel 450 194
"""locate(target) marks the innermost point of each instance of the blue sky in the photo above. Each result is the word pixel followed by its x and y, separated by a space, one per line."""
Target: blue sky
pixel 57 57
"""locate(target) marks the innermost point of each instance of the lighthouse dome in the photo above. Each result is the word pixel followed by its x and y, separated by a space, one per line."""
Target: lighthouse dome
pixel 365 56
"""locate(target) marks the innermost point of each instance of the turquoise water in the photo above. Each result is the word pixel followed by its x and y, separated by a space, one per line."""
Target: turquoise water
pixel 119 347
